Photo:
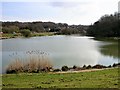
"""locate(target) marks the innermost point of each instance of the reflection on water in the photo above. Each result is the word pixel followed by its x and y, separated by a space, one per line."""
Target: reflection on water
pixel 63 50
pixel 110 48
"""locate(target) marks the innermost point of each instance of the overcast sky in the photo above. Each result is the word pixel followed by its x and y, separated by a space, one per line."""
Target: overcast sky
pixel 82 12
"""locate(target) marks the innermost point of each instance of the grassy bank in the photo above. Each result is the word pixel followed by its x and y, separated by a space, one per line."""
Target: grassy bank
pixel 7 36
pixel 43 34
pixel 98 79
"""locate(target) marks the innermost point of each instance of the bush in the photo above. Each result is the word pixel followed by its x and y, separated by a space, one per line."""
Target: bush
pixel 69 31
pixel 65 68
pixel 10 29
pixel 26 32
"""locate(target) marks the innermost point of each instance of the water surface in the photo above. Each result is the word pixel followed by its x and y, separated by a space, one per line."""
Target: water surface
pixel 62 50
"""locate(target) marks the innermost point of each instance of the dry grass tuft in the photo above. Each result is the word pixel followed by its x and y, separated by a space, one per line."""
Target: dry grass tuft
pixel 32 64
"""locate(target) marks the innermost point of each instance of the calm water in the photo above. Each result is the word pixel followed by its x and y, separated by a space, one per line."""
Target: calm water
pixel 62 50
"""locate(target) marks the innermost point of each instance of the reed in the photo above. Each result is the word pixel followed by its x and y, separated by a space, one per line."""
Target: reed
pixel 34 63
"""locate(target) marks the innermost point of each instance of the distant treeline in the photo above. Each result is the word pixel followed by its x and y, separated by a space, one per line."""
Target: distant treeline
pixel 61 28
pixel 106 26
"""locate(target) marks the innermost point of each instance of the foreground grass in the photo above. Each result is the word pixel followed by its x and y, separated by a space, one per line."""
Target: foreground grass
pixel 98 79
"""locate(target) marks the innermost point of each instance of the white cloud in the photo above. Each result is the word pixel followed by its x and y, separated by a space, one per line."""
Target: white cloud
pixel 68 11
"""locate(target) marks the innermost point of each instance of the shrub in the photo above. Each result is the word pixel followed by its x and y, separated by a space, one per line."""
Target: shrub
pixel 10 29
pixel 26 32
pixel 65 68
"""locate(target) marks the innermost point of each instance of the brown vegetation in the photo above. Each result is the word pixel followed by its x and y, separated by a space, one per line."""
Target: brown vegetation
pixel 34 63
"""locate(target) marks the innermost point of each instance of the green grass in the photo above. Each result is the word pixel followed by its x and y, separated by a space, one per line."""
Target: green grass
pixel 10 35
pixel 43 34
pixel 32 34
pixel 98 79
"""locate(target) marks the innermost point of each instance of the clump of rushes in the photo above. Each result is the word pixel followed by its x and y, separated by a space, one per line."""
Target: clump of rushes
pixel 15 67
pixel 33 64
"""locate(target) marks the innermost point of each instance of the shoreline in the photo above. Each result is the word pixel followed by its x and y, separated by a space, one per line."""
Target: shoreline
pixel 52 34
pixel 66 69
pixel 86 70
pixel 9 36
pixel 65 72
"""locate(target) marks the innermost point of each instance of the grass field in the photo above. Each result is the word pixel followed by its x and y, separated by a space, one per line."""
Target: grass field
pixel 98 79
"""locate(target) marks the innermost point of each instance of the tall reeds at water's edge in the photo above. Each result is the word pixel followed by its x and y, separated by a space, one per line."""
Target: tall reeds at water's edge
pixel 34 63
